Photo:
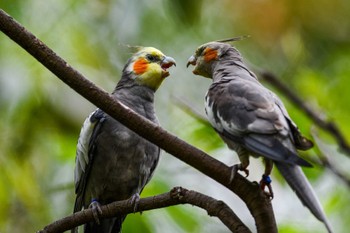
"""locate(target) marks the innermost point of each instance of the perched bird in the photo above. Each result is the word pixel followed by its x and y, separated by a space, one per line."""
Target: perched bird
pixel 253 121
pixel 112 162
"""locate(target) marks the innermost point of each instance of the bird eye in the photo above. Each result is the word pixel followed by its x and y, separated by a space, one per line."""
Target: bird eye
pixel 199 51
pixel 151 58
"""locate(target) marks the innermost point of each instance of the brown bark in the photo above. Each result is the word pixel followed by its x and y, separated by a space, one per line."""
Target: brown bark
pixel 176 196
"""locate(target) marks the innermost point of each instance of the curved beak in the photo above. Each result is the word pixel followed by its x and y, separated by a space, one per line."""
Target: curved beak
pixel 191 61
pixel 166 63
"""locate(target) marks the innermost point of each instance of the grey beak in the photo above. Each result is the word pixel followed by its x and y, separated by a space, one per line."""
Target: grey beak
pixel 191 61
pixel 168 62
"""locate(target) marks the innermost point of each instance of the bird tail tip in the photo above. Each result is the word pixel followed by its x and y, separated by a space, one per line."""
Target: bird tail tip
pixel 301 186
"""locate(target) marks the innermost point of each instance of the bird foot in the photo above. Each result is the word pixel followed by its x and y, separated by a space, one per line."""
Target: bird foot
pixel 134 200
pixel 238 167
pixel 95 206
pixel 266 182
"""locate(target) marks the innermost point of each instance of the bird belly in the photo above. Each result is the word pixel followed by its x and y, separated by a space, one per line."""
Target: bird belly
pixel 119 174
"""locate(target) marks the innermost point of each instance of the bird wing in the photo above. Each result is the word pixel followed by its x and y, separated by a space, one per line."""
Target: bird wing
pixel 84 153
pixel 245 112
pixel 299 140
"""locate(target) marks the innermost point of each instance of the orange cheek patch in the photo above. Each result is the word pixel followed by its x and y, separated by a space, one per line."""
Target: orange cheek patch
pixel 210 54
pixel 140 66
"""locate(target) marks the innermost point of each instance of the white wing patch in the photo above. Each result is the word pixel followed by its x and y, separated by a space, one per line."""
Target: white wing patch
pixel 82 154
pixel 220 125
pixel 210 115
pixel 229 126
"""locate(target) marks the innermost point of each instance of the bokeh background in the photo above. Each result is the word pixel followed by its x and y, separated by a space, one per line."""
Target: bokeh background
pixel 305 43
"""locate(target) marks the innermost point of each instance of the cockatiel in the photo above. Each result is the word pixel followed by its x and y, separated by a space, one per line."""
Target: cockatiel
pixel 112 162
pixel 253 121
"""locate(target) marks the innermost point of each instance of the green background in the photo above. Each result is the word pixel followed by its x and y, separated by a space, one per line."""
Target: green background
pixel 305 43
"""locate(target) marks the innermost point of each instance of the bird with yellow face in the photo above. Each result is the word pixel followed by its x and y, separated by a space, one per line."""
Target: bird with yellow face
pixel 112 162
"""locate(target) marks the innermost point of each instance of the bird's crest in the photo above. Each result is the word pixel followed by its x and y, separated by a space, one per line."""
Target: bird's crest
pixel 132 48
pixel 233 39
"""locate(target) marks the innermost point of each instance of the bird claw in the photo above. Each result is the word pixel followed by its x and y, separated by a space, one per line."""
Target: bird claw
pixel 95 207
pixel 134 200
pixel 266 182
pixel 238 167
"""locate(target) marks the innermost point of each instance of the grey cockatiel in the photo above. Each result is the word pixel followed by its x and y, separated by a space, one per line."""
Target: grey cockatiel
pixel 252 120
pixel 112 162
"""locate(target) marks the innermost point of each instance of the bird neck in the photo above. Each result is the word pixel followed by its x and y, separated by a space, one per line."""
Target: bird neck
pixel 128 85
pixel 230 67
pixel 135 91
pixel 138 98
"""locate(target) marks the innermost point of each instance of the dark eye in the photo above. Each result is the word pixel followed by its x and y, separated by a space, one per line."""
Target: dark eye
pixel 199 51
pixel 151 58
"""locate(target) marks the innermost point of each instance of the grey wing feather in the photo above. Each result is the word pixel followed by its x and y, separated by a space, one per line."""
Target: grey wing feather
pixel 268 147
pixel 300 142
pixel 83 160
pixel 272 148
pixel 255 121
pixel 298 182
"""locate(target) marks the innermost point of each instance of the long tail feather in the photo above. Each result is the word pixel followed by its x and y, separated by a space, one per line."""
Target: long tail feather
pixel 301 186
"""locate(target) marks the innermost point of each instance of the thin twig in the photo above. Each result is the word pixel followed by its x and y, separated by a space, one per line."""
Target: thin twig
pixel 328 126
pixel 327 163
pixel 323 161
pixel 324 155
pixel 176 196
pixel 258 204
pixel 186 106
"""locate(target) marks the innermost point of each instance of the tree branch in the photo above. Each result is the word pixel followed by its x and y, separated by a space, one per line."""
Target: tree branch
pixel 326 162
pixel 324 154
pixel 186 106
pixel 328 126
pixel 176 196
pixel 258 204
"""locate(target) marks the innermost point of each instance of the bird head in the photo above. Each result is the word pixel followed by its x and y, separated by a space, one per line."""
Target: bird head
pixel 149 67
pixel 206 56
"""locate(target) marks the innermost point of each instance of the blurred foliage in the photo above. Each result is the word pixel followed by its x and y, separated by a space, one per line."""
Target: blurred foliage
pixel 305 43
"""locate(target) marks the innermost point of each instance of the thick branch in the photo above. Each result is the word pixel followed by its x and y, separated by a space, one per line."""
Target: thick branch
pixel 176 196
pixel 259 206
pixel 328 126
pixel 212 206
